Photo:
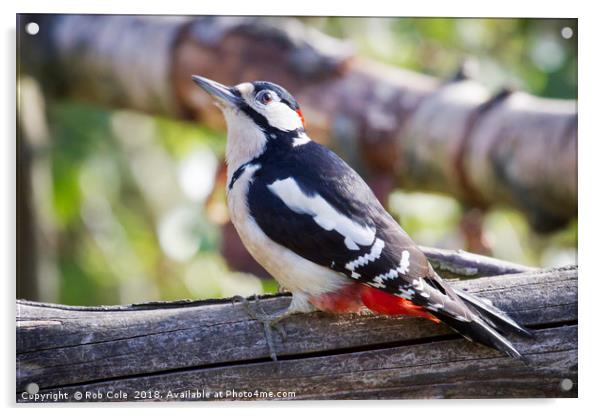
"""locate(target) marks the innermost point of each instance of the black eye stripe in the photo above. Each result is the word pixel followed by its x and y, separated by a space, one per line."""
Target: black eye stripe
pixel 269 131
pixel 260 120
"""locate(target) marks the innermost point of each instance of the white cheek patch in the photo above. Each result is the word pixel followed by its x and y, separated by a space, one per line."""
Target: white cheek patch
pixel 277 113
pixel 281 116
pixel 323 213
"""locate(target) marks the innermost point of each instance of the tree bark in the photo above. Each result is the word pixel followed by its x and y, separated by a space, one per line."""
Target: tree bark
pixel 27 243
pixel 214 345
pixel 452 137
pixel 458 264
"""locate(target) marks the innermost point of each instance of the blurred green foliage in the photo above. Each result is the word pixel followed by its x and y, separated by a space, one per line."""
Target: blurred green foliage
pixel 530 54
pixel 126 232
pixel 127 204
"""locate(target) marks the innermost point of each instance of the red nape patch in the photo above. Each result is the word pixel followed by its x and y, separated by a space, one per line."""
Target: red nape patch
pixel 383 303
pixel 301 116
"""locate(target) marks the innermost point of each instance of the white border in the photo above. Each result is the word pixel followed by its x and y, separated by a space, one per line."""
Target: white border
pixel 589 180
pixel 466 8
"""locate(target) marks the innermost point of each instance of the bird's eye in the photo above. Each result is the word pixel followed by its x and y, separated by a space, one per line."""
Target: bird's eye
pixel 265 97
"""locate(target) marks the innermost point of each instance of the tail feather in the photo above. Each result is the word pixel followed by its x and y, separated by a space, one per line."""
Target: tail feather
pixel 493 316
pixel 479 331
pixel 487 326
pixel 497 340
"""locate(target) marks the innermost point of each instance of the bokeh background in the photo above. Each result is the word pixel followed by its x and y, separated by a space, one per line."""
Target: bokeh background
pixel 124 204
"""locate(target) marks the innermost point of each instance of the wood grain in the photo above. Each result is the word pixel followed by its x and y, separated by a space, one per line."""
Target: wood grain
pixel 180 347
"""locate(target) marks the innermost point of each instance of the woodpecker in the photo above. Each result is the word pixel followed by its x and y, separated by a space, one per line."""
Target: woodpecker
pixel 311 221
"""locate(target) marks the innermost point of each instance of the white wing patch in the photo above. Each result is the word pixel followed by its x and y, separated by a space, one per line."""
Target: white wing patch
pixel 323 213
pixel 374 254
pixel 404 266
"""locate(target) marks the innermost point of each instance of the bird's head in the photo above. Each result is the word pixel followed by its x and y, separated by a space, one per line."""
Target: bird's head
pixel 256 113
pixel 272 108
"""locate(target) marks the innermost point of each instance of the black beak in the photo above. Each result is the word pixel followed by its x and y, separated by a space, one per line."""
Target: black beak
pixel 221 92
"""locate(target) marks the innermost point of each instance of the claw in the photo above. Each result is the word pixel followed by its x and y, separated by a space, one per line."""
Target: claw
pixel 238 299
pixel 280 330
pixel 268 321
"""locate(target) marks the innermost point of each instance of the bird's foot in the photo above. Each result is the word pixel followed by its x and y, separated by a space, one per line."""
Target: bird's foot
pixel 269 321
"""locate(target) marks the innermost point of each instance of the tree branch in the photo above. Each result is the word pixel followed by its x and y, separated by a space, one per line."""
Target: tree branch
pixel 451 137
pixel 215 345
pixel 461 264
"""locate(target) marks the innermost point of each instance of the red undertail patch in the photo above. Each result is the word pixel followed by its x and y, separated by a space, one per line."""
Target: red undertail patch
pixel 386 304
pixel 355 297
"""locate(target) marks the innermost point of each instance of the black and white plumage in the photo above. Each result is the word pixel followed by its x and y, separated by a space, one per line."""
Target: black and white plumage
pixel 315 225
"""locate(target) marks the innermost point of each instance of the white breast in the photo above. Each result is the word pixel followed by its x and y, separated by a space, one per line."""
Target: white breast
pixel 292 271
